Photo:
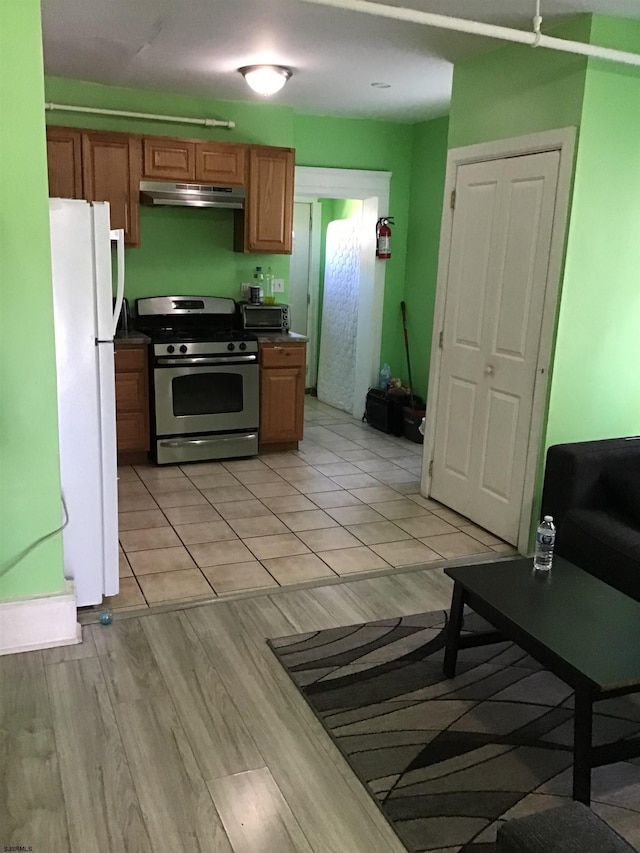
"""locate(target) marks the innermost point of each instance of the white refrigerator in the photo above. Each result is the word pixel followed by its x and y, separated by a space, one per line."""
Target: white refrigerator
pixel 85 320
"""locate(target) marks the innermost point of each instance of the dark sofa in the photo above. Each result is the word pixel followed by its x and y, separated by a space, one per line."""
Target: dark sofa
pixel 592 490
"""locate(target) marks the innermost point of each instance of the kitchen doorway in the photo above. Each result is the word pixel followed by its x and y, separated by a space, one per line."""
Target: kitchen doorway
pixel 503 232
pixel 372 189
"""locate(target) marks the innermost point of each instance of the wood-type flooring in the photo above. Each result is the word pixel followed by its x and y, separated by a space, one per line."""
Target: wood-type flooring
pixel 179 731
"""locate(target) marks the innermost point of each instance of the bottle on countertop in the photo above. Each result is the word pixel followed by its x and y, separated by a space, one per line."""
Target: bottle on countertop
pixel 269 297
pixel 258 282
pixel 545 543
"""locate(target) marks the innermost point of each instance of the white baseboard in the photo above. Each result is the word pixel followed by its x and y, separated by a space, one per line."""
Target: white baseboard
pixel 43 622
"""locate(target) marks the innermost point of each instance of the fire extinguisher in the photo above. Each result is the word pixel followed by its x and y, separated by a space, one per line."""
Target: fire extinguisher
pixel 383 237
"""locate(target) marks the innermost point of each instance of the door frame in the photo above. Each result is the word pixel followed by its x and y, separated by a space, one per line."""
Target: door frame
pixel 313 273
pixel 562 140
pixel 312 183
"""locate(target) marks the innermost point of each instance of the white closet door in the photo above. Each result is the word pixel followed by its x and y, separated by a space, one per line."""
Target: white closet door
pixel 336 366
pixel 499 260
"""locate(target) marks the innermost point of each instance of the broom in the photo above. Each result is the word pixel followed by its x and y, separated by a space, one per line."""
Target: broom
pixel 403 309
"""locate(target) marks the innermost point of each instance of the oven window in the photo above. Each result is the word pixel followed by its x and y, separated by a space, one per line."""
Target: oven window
pixel 207 394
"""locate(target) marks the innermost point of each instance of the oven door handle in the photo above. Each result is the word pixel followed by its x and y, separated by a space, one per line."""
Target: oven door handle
pixel 204 360
pixel 203 442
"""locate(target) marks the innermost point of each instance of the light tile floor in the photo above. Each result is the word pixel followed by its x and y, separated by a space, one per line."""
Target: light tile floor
pixel 346 503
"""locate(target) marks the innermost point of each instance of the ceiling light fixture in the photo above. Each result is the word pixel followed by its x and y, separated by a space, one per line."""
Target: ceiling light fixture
pixel 265 79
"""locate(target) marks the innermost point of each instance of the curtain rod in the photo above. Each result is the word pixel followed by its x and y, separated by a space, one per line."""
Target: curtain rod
pixel 207 122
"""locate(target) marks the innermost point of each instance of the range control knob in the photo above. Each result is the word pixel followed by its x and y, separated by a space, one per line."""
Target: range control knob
pixel 243 346
pixel 171 348
pixel 183 348
pixel 231 347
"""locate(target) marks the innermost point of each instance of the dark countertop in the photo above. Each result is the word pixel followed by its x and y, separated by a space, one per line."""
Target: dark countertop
pixel 135 337
pixel 131 337
pixel 281 338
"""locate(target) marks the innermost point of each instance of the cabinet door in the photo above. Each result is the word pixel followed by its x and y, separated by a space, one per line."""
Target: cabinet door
pixel 220 163
pixel 111 169
pixel 132 432
pixel 281 404
pixel 132 398
pixel 269 206
pixel 64 162
pixel 131 391
pixel 168 159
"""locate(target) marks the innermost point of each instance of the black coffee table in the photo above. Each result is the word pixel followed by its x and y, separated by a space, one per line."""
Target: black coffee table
pixel 581 629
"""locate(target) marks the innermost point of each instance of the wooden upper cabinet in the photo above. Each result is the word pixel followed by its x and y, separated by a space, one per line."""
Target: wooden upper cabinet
pixel 64 162
pixel 220 163
pixel 168 159
pixel 190 160
pixel 269 204
pixel 111 169
pixel 103 166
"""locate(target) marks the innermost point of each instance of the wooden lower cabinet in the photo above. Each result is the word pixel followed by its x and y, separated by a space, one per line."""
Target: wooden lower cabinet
pixel 282 376
pixel 132 402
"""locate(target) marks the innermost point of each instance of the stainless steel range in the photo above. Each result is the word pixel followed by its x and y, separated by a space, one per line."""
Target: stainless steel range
pixel 204 379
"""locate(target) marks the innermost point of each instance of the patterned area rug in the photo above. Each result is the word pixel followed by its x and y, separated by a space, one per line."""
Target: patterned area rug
pixel 448 761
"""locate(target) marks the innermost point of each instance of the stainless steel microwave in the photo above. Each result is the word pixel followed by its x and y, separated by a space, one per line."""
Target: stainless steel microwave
pixel 264 318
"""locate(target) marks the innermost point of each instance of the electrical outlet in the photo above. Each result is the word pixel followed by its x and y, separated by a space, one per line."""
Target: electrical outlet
pixel 244 290
pixel 278 285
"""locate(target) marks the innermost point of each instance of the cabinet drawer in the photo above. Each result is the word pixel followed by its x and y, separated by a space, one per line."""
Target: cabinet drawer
pixel 282 355
pixel 130 358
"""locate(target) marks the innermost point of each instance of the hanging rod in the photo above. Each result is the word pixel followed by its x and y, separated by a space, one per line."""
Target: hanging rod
pixel 462 25
pixel 207 122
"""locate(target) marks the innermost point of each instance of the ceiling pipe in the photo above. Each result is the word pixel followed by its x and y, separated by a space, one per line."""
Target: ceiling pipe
pixel 461 25
pixel 207 122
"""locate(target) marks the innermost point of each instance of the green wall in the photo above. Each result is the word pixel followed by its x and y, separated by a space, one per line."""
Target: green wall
pixel 380 146
pixel 264 124
pixel 188 250
pixel 29 472
pixel 425 215
pixel 595 389
pixel 515 90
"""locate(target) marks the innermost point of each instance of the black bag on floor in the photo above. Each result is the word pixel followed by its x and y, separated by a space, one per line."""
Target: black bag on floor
pixel 384 411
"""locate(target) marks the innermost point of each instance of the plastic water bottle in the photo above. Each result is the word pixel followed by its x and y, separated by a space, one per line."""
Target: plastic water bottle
pixel 545 542
pixel 269 297
pixel 385 377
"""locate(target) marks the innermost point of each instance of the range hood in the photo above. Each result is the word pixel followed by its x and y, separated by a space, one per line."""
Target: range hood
pixel 191 195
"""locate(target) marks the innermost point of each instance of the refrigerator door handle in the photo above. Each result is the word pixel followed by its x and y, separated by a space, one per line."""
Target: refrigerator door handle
pixel 118 236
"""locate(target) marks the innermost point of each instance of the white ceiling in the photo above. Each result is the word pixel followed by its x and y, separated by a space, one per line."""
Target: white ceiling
pixel 195 46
